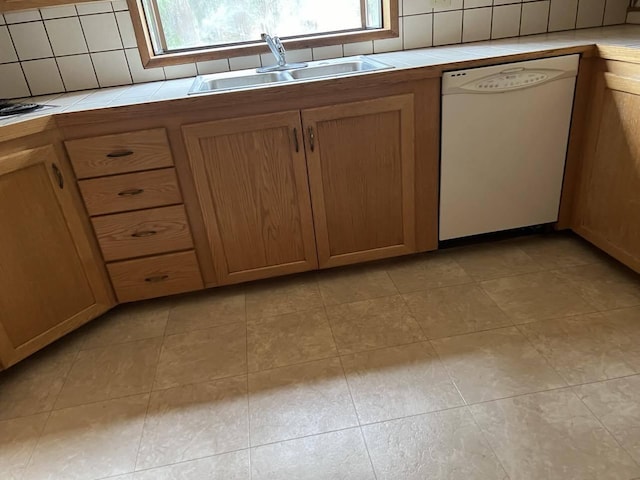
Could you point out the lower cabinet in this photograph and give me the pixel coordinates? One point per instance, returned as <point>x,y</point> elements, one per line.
<point>608,207</point>
<point>259,178</point>
<point>361,173</point>
<point>250,176</point>
<point>51,281</point>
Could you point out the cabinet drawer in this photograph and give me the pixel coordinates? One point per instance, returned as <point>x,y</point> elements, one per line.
<point>147,232</point>
<point>155,276</point>
<point>120,153</point>
<point>133,191</point>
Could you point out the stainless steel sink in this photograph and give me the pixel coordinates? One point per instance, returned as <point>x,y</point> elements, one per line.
<point>337,68</point>
<point>212,83</point>
<point>320,69</point>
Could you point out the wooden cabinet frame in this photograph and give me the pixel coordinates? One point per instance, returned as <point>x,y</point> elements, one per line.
<point>402,106</point>
<point>68,208</point>
<point>610,227</point>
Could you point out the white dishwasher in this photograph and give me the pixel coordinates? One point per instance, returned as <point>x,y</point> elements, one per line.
<point>505,131</point>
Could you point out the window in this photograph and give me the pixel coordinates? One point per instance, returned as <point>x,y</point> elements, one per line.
<point>193,30</point>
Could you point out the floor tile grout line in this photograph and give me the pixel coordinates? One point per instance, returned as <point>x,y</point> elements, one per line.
<point>451,379</point>
<point>246,338</point>
<point>150,394</point>
<point>195,459</point>
<point>355,410</point>
<point>366,447</point>
<point>486,439</point>
<point>606,429</point>
<point>72,362</point>
<point>310,435</point>
<point>547,361</point>
<point>413,316</point>
<point>35,447</point>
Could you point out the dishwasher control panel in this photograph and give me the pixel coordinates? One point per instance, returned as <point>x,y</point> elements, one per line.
<point>510,80</point>
<point>508,77</point>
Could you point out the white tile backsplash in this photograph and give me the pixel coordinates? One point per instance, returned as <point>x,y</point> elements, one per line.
<point>447,27</point>
<point>562,15</point>
<point>476,24</point>
<point>66,37</point>
<point>590,13</point>
<point>535,18</point>
<point>615,12</point>
<point>30,40</point>
<point>7,52</point>
<point>506,20</point>
<point>22,16</point>
<point>418,31</point>
<point>43,76</point>
<point>77,72</point>
<point>323,53</point>
<point>101,32</point>
<point>13,84</point>
<point>92,45</point>
<point>59,12</point>
<point>358,48</point>
<point>111,68</point>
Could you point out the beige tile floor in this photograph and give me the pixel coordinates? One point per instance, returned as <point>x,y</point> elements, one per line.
<point>513,360</point>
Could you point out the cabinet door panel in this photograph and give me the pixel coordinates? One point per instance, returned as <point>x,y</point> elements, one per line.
<point>49,282</point>
<point>361,164</point>
<point>252,187</point>
<point>609,208</point>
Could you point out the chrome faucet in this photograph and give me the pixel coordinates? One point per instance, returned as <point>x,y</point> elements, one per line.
<point>276,47</point>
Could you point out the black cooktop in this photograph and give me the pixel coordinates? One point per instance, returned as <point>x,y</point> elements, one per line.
<point>10,108</point>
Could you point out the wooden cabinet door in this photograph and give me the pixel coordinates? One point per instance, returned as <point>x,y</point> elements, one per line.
<point>361,172</point>
<point>250,176</point>
<point>608,210</point>
<point>50,278</point>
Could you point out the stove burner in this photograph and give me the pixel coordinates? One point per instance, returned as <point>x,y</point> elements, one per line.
<point>7,108</point>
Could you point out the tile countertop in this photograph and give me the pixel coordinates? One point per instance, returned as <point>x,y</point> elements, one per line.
<point>622,36</point>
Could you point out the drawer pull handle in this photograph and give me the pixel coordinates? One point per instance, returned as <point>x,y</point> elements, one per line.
<point>312,139</point>
<point>295,139</point>
<point>58,175</point>
<point>156,279</point>
<point>123,153</point>
<point>131,192</point>
<point>144,233</point>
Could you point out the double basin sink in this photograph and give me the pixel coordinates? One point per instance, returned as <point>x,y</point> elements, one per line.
<point>320,69</point>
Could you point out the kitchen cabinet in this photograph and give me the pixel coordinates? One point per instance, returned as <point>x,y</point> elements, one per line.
<point>250,177</point>
<point>51,279</point>
<point>257,196</point>
<point>608,206</point>
<point>130,188</point>
<point>361,173</point>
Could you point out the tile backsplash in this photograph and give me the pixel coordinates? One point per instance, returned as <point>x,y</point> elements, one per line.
<point>92,45</point>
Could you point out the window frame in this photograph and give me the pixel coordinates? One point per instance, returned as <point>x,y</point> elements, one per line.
<point>390,29</point>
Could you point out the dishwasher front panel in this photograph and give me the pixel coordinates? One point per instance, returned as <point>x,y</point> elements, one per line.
<point>503,157</point>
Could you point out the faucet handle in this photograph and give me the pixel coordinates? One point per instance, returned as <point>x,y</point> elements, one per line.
<point>279,45</point>
<point>264,36</point>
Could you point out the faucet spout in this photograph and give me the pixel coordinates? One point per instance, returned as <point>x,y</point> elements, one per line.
<point>276,47</point>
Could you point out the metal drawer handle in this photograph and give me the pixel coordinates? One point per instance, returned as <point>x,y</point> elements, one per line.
<point>144,233</point>
<point>131,192</point>
<point>295,139</point>
<point>156,279</point>
<point>123,153</point>
<point>312,139</point>
<point>58,175</point>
